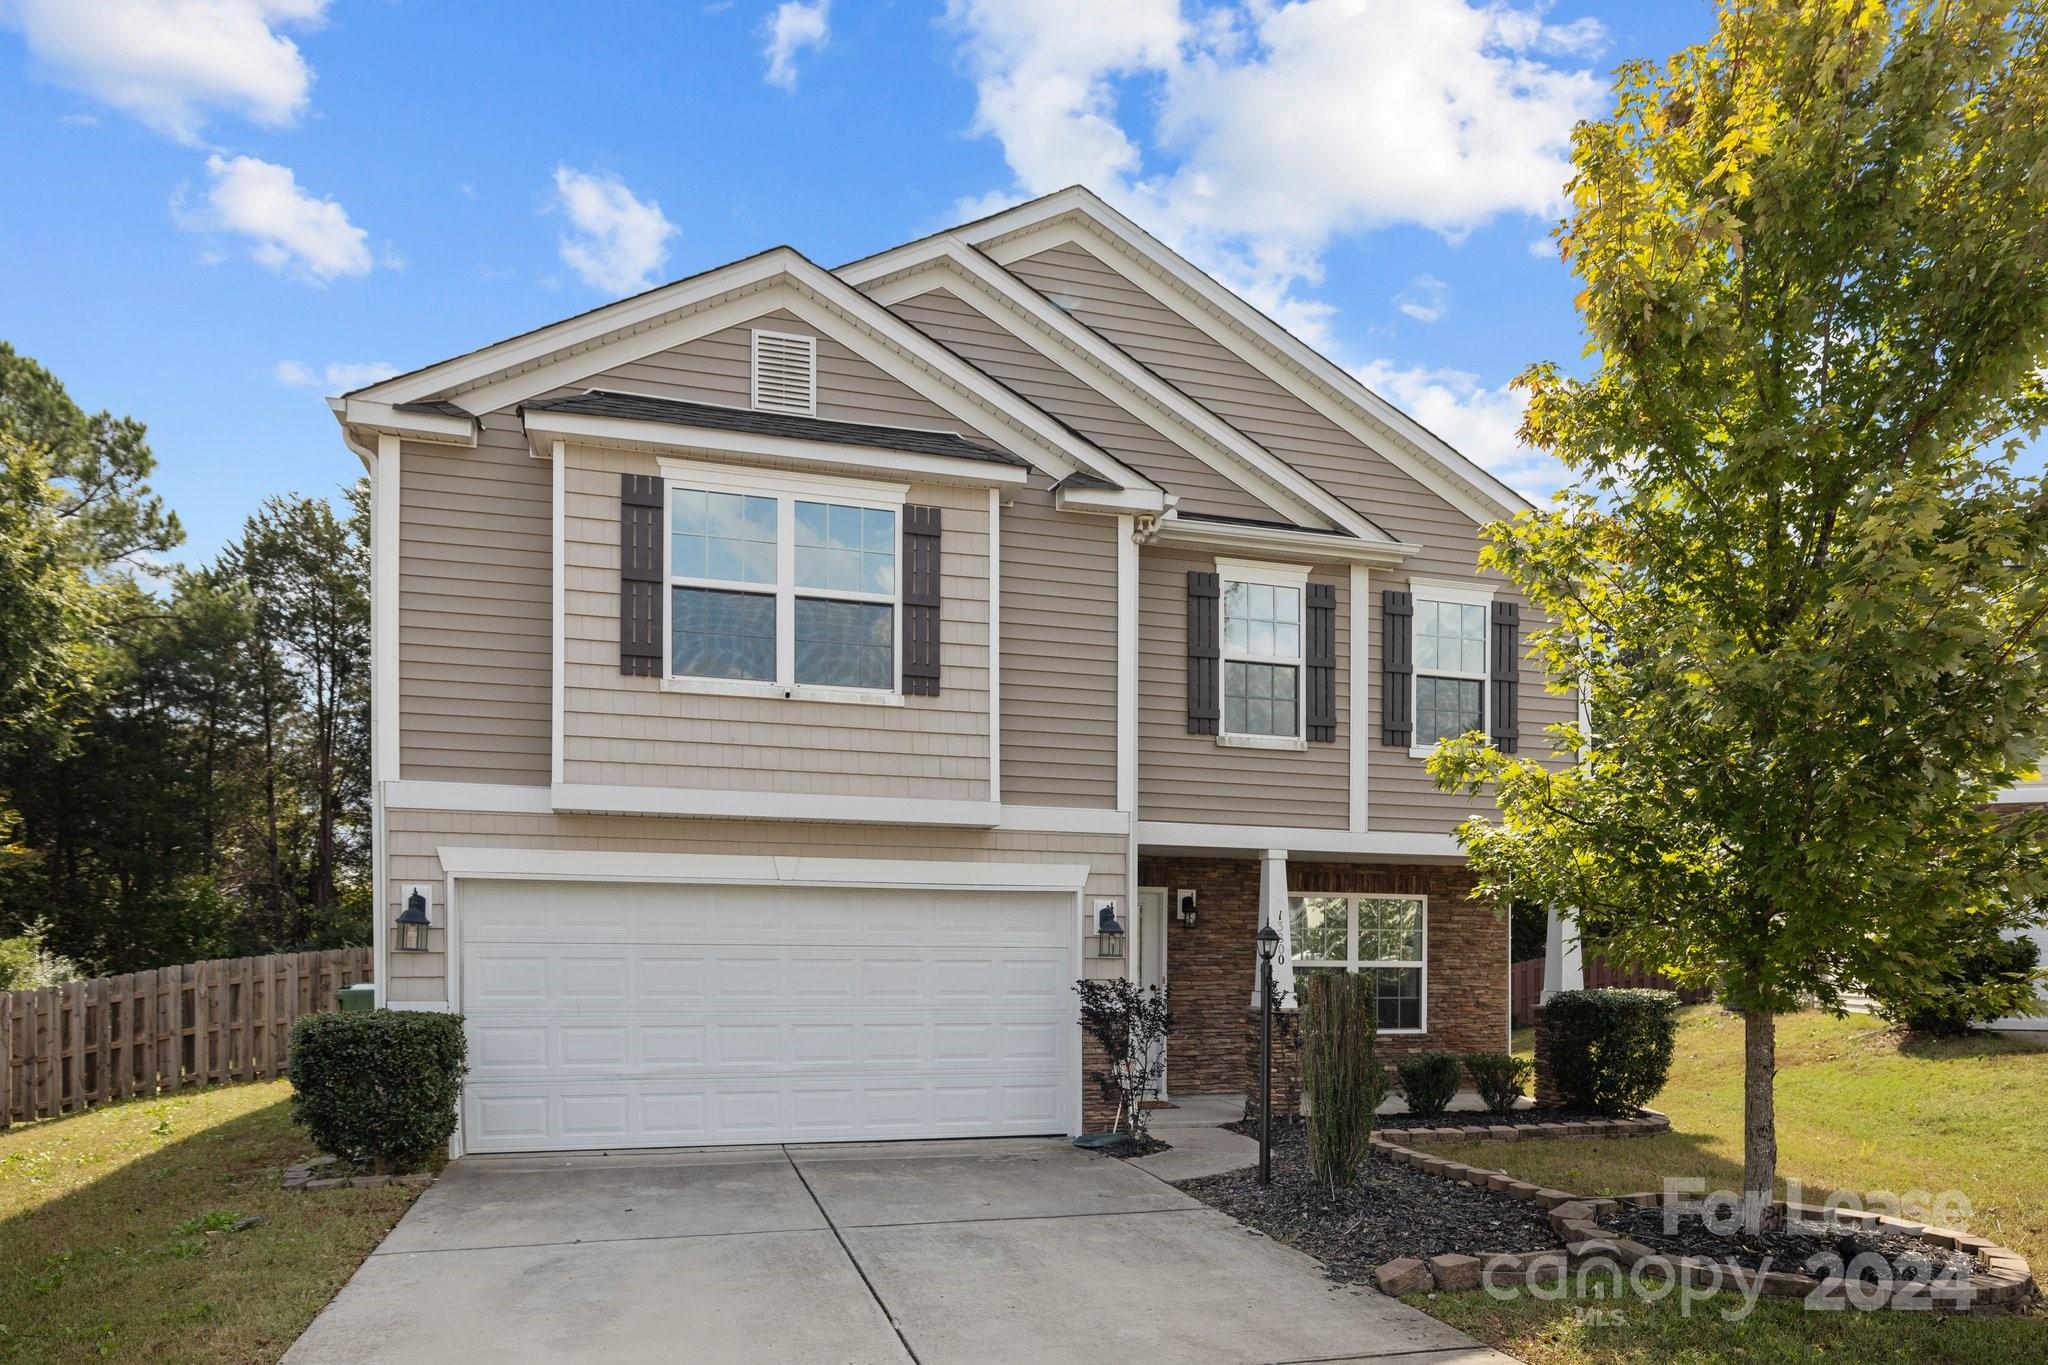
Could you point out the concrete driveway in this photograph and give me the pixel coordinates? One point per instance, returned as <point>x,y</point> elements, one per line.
<point>936,1253</point>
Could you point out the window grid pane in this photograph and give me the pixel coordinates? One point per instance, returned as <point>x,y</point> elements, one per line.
<point>1445,708</point>
<point>1319,929</point>
<point>845,644</point>
<point>1397,997</point>
<point>1260,699</point>
<point>845,549</point>
<point>1389,930</point>
<point>717,634</point>
<point>1262,620</point>
<point>726,536</point>
<point>1450,636</point>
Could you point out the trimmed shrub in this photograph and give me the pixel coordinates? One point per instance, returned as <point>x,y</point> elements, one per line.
<point>1608,1051</point>
<point>1989,979</point>
<point>378,1087</point>
<point>1429,1081</point>
<point>1340,1074</point>
<point>1499,1078</point>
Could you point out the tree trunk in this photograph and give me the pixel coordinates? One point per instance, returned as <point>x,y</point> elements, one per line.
<point>1759,1108</point>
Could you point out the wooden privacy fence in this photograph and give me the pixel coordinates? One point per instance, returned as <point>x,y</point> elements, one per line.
<point>1525,986</point>
<point>64,1048</point>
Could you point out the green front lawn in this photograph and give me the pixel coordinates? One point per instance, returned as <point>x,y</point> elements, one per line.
<point>1856,1111</point>
<point>117,1240</point>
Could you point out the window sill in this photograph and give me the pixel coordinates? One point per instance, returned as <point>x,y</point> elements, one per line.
<point>719,687</point>
<point>1422,751</point>
<point>1284,742</point>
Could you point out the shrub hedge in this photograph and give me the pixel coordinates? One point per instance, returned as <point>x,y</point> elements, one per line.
<point>378,1087</point>
<point>1429,1081</point>
<point>1608,1051</point>
<point>1989,979</point>
<point>1341,1077</point>
<point>1498,1077</point>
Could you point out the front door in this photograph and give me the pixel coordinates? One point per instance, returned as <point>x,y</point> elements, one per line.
<point>1152,917</point>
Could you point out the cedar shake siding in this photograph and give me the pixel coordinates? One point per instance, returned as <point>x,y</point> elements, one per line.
<point>630,731</point>
<point>1059,654</point>
<point>965,330</point>
<point>1194,778</point>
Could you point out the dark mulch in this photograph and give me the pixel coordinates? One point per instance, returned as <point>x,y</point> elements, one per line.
<point>1129,1148</point>
<point>1793,1246</point>
<point>1393,1211</point>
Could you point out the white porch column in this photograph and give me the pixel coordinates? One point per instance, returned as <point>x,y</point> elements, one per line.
<point>1273,911</point>
<point>1562,968</point>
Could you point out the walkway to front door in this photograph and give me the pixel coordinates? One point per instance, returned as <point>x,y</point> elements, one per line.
<point>943,1253</point>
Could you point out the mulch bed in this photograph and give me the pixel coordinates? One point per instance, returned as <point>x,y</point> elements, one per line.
<point>1791,1245</point>
<point>1127,1149</point>
<point>1392,1211</point>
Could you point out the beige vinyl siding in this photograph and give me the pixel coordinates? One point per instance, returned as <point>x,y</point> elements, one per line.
<point>718,369</point>
<point>994,349</point>
<point>413,836</point>
<point>1401,796</point>
<point>474,598</point>
<point>630,731</point>
<point>1059,654</point>
<point>1192,777</point>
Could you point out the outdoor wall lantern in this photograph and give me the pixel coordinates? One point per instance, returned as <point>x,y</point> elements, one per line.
<point>1187,908</point>
<point>413,924</point>
<point>1109,934</point>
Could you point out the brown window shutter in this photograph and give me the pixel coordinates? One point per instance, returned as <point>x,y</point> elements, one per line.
<point>1205,652</point>
<point>640,565</point>
<point>1321,659</point>
<point>1507,676</point>
<point>1397,668</point>
<point>921,602</point>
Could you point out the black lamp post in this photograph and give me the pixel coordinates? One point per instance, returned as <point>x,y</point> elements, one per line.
<point>1269,944</point>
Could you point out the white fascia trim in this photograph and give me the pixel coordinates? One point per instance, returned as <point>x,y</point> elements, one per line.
<point>1077,215</point>
<point>799,483</point>
<point>1027,315</point>
<point>1309,545</point>
<point>995,645</point>
<point>544,430</point>
<point>480,798</point>
<point>1263,571</point>
<point>385,537</point>
<point>2023,793</point>
<point>558,608</point>
<point>1113,501</point>
<point>525,864</point>
<point>1174,834</point>
<point>1064,820</point>
<point>511,371</point>
<point>584,798</point>
<point>384,420</point>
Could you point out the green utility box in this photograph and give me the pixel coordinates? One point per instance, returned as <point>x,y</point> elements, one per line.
<point>363,997</point>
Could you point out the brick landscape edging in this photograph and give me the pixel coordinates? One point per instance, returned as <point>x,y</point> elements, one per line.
<point>2002,1280</point>
<point>306,1176</point>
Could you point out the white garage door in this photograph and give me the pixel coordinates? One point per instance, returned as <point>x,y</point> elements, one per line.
<point>604,1015</point>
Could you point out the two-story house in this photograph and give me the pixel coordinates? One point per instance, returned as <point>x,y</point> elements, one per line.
<point>788,681</point>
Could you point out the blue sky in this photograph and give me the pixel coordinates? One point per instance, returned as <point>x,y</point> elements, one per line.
<point>221,210</point>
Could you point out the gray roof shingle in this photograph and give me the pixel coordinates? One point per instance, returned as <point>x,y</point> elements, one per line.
<point>635,407</point>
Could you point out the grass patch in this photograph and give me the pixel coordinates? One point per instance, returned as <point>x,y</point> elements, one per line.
<point>1858,1110</point>
<point>155,1229</point>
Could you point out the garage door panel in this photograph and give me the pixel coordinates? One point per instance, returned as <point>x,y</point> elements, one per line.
<point>616,1016</point>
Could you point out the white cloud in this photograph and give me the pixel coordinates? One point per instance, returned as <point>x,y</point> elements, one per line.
<point>1480,422</point>
<point>1426,299</point>
<point>340,376</point>
<point>617,240</point>
<point>1279,127</point>
<point>793,27</point>
<point>173,63</point>
<point>288,230</point>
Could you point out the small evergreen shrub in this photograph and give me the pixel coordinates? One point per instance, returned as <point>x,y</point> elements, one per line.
<point>378,1087</point>
<point>1989,979</point>
<point>1429,1081</point>
<point>1608,1051</point>
<point>1340,1073</point>
<point>1499,1077</point>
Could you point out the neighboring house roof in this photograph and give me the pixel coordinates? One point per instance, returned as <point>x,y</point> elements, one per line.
<point>637,407</point>
<point>1078,215</point>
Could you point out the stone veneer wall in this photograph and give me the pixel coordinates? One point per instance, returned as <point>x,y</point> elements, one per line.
<point>1214,1049</point>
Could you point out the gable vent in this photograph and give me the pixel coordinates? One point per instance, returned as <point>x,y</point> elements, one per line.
<point>785,373</point>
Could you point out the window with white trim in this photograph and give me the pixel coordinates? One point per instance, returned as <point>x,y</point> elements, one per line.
<point>1450,668</point>
<point>1262,630</point>
<point>1385,936</point>
<point>781,586</point>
